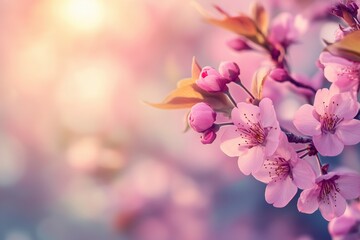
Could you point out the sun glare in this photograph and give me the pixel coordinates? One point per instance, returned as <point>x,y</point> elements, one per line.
<point>84,14</point>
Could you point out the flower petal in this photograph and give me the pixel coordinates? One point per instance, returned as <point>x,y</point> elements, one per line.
<point>305,121</point>
<point>343,105</point>
<point>349,185</point>
<point>308,200</point>
<point>280,193</point>
<point>245,113</point>
<point>304,176</point>
<point>272,141</point>
<point>341,225</point>
<point>251,160</point>
<point>327,58</point>
<point>230,142</point>
<point>349,132</point>
<point>285,150</point>
<point>262,174</point>
<point>332,207</point>
<point>321,101</point>
<point>267,113</point>
<point>328,144</point>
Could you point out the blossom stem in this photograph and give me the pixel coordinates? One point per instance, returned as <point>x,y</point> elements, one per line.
<point>245,89</point>
<point>230,97</point>
<point>300,85</point>
<point>297,139</point>
<point>319,162</point>
<point>224,124</point>
<point>302,150</point>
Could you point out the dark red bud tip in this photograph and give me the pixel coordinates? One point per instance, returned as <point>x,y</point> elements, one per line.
<point>325,168</point>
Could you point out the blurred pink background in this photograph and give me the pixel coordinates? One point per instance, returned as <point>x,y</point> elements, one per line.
<point>83,157</point>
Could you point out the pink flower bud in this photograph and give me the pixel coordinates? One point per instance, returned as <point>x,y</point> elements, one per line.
<point>211,81</point>
<point>229,70</point>
<point>201,117</point>
<point>238,44</point>
<point>208,136</point>
<point>279,74</point>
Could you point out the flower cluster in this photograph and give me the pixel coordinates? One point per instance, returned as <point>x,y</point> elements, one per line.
<point>280,156</point>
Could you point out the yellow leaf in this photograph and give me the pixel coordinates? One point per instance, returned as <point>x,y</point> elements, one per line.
<point>188,93</point>
<point>348,47</point>
<point>258,81</point>
<point>241,24</point>
<point>195,73</point>
<point>260,16</point>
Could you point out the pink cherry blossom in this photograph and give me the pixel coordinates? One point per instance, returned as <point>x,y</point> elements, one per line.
<point>211,81</point>
<point>329,194</point>
<point>347,226</point>
<point>254,136</point>
<point>201,117</point>
<point>343,73</point>
<point>330,121</point>
<point>284,172</point>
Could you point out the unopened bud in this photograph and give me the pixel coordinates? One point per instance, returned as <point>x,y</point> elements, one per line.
<point>279,74</point>
<point>211,81</point>
<point>201,117</point>
<point>208,136</point>
<point>238,44</point>
<point>229,70</point>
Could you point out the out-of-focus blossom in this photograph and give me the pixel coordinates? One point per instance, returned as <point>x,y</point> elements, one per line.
<point>343,73</point>
<point>254,136</point>
<point>286,29</point>
<point>201,117</point>
<point>330,121</point>
<point>348,11</point>
<point>347,226</point>
<point>279,74</point>
<point>238,44</point>
<point>329,194</point>
<point>284,172</point>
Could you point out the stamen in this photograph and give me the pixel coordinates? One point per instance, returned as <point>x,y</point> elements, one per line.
<point>328,188</point>
<point>253,133</point>
<point>278,169</point>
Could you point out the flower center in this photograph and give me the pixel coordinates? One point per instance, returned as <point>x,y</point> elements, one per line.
<point>328,188</point>
<point>278,168</point>
<point>253,134</point>
<point>329,123</point>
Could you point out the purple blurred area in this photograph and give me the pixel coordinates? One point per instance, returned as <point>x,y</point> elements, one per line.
<point>81,154</point>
